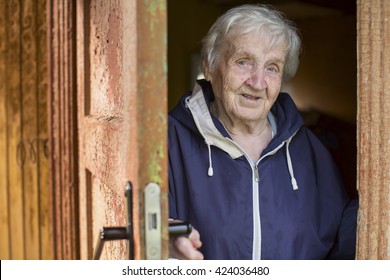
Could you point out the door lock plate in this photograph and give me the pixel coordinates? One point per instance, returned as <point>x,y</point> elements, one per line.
<point>152,204</point>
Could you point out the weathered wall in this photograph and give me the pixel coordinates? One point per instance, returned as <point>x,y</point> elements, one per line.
<point>25,228</point>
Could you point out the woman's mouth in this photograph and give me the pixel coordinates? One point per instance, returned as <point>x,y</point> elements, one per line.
<point>250,97</point>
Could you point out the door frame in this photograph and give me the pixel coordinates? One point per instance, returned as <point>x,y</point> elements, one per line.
<point>373,130</point>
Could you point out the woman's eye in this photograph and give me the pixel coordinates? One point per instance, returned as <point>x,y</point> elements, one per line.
<point>241,62</point>
<point>244,64</point>
<point>272,69</point>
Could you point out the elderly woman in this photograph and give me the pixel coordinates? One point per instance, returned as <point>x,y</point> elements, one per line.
<point>244,171</point>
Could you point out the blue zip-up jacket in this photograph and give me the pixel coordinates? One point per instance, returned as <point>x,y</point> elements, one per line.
<point>290,204</point>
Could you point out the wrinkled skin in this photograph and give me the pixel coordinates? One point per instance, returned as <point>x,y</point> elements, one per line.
<point>246,81</point>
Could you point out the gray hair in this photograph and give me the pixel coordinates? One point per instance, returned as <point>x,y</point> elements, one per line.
<point>251,18</point>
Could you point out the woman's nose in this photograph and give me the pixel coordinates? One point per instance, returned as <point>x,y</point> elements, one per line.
<point>256,80</point>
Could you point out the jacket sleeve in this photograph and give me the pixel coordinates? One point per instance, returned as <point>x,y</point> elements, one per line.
<point>345,245</point>
<point>171,195</point>
<point>172,154</point>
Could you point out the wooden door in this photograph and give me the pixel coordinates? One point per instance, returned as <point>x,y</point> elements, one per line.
<point>121,85</point>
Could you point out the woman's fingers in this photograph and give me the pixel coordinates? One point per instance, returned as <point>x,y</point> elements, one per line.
<point>186,247</point>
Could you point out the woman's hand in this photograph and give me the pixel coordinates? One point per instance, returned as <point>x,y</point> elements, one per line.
<point>186,248</point>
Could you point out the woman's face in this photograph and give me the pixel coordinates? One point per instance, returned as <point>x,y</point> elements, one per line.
<point>247,77</point>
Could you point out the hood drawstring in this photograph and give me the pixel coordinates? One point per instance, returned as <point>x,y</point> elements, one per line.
<point>210,171</point>
<point>290,167</point>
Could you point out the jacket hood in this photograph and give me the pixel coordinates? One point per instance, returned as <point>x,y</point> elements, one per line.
<point>182,113</point>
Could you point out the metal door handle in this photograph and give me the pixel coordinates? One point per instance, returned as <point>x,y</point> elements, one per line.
<point>152,225</point>
<point>119,233</point>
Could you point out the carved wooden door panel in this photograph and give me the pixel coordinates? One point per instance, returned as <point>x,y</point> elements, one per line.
<point>121,85</point>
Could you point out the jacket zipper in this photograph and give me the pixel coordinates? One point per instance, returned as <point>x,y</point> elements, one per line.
<point>256,254</point>
<point>256,170</point>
